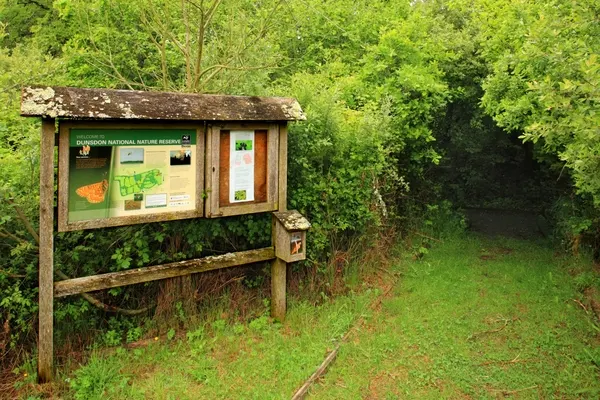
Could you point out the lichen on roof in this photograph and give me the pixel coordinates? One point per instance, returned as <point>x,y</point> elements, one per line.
<point>292,220</point>
<point>98,104</point>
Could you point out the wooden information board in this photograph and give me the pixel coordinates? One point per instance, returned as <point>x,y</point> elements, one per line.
<point>128,157</point>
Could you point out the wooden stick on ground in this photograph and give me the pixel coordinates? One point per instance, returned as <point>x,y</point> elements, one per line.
<point>477,334</point>
<point>322,369</point>
<point>303,391</point>
<point>427,237</point>
<point>509,392</point>
<point>581,305</point>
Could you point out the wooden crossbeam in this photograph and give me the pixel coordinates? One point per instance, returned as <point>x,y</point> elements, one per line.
<point>157,272</point>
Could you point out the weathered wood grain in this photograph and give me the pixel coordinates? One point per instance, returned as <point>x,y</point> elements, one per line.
<point>246,208</point>
<point>278,289</point>
<point>46,256</point>
<point>273,166</point>
<point>157,272</point>
<point>216,173</point>
<point>292,220</point>
<point>80,103</point>
<point>283,167</point>
<point>63,173</point>
<point>278,266</point>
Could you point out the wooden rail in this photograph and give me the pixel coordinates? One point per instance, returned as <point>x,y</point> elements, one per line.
<point>171,270</point>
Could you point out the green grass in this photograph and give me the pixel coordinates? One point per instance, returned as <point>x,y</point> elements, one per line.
<point>254,361</point>
<point>473,318</point>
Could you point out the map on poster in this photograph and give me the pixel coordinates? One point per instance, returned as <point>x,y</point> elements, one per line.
<point>127,172</point>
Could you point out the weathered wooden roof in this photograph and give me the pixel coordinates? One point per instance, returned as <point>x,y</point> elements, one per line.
<point>292,220</point>
<point>79,103</point>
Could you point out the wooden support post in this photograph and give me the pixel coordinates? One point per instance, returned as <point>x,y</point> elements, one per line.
<point>278,289</point>
<point>278,266</point>
<point>46,253</point>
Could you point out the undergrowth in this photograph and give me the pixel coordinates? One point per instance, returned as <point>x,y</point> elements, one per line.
<point>471,317</point>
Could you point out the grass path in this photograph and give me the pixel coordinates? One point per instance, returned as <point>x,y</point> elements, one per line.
<point>474,318</point>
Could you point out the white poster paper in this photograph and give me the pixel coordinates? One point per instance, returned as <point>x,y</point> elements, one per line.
<point>241,168</point>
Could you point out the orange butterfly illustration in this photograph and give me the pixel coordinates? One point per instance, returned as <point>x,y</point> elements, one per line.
<point>296,246</point>
<point>85,151</point>
<point>95,192</point>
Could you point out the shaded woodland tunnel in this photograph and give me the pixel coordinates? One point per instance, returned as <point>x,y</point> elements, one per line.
<point>503,185</point>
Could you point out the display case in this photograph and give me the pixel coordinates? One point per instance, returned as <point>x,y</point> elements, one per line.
<point>242,168</point>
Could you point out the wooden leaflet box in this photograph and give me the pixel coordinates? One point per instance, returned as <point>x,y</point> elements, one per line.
<point>290,235</point>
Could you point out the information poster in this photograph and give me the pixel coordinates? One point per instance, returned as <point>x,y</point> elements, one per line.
<point>128,172</point>
<point>241,172</point>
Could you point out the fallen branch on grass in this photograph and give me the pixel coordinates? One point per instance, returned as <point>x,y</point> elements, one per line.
<point>509,392</point>
<point>427,237</point>
<point>303,391</point>
<point>581,305</point>
<point>320,371</point>
<point>506,322</point>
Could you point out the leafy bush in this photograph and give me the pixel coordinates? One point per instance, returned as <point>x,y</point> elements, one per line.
<point>19,190</point>
<point>335,159</point>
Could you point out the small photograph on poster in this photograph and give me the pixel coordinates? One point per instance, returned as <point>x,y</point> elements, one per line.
<point>138,197</point>
<point>131,205</point>
<point>240,195</point>
<point>243,145</point>
<point>296,243</point>
<point>131,156</point>
<point>248,159</point>
<point>181,157</point>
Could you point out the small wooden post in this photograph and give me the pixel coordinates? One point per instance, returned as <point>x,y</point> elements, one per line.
<point>278,266</point>
<point>46,253</point>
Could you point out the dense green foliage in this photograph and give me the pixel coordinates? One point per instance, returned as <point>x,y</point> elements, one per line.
<point>407,103</point>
